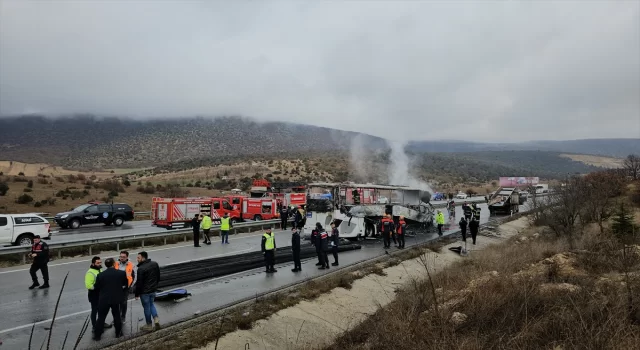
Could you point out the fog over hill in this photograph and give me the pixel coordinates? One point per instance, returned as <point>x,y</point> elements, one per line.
<point>95,142</point>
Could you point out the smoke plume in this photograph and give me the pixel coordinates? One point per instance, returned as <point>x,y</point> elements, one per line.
<point>357,157</point>
<point>398,170</point>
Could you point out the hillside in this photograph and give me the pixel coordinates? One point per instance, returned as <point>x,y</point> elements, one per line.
<point>86,142</point>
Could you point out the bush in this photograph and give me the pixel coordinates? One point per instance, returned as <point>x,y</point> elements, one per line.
<point>43,181</point>
<point>113,194</point>
<point>4,188</point>
<point>30,184</point>
<point>27,190</point>
<point>148,189</point>
<point>24,199</point>
<point>37,204</point>
<point>21,174</point>
<point>19,179</point>
<point>126,182</point>
<point>111,185</point>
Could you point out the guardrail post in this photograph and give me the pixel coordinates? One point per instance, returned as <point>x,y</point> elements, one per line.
<point>90,250</point>
<point>24,258</point>
<point>165,241</point>
<point>185,237</point>
<point>118,247</point>
<point>142,244</point>
<point>59,253</point>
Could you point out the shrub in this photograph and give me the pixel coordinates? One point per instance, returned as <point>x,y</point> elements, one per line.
<point>43,181</point>
<point>30,184</point>
<point>113,193</point>
<point>126,182</point>
<point>37,204</point>
<point>27,190</point>
<point>149,189</point>
<point>24,199</point>
<point>21,174</point>
<point>4,188</point>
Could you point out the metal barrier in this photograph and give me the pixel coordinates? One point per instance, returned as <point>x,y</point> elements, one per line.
<point>134,237</point>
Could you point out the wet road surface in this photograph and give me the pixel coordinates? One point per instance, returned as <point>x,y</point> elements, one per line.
<point>21,307</point>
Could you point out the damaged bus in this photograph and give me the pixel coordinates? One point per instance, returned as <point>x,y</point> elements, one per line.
<point>357,209</point>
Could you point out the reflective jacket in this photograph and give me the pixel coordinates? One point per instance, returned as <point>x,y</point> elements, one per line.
<point>225,223</point>
<point>128,269</point>
<point>440,219</point>
<point>268,242</point>
<point>323,239</point>
<point>206,222</point>
<point>90,281</point>
<point>387,225</point>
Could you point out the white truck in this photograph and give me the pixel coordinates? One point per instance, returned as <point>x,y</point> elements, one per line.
<point>19,229</point>
<point>542,188</point>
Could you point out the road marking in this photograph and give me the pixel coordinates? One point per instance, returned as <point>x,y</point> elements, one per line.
<point>130,300</point>
<point>151,250</point>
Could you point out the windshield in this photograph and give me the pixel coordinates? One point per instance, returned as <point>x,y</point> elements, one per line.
<point>82,207</point>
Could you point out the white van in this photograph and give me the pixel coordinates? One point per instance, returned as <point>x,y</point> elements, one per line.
<point>19,229</point>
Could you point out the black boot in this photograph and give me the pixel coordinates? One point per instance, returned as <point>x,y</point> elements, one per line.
<point>45,285</point>
<point>35,284</point>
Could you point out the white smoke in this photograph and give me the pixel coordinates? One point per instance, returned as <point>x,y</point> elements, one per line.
<point>358,157</point>
<point>398,170</point>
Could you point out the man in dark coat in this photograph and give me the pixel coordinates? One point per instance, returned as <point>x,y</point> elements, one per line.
<point>315,240</point>
<point>463,228</point>
<point>110,285</point>
<point>334,240</point>
<point>195,225</point>
<point>146,286</point>
<point>295,249</point>
<point>474,225</point>
<point>322,245</point>
<point>284,216</point>
<point>40,255</point>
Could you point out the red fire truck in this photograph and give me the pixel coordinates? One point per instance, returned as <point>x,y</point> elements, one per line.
<point>255,208</point>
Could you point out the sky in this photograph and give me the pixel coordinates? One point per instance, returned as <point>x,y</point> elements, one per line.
<point>472,70</point>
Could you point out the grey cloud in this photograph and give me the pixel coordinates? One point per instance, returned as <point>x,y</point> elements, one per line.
<point>485,71</point>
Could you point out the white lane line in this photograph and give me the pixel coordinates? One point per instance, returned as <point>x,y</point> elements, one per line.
<point>150,250</point>
<point>130,300</point>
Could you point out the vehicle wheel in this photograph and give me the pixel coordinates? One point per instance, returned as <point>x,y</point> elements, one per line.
<point>25,239</point>
<point>74,224</point>
<point>257,218</point>
<point>233,221</point>
<point>118,221</point>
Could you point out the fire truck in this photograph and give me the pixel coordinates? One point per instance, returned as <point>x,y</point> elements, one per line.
<point>287,193</point>
<point>173,213</point>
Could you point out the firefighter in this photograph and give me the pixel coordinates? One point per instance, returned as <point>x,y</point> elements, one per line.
<point>205,224</point>
<point>195,225</point>
<point>386,230</point>
<point>440,222</point>
<point>474,225</point>
<point>401,230</point>
<point>268,246</point>
<point>322,240</point>
<point>123,264</point>
<point>463,228</point>
<point>295,249</point>
<point>284,216</point>
<point>40,255</point>
<point>335,239</point>
<point>225,225</point>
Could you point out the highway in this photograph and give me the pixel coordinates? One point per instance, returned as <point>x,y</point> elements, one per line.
<point>21,307</point>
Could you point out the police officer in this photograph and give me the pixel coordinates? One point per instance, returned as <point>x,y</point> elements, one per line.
<point>284,216</point>
<point>386,229</point>
<point>268,249</point>
<point>195,225</point>
<point>440,222</point>
<point>401,230</point>
<point>468,213</point>
<point>474,225</point>
<point>315,240</point>
<point>295,249</point>
<point>323,246</point>
<point>40,255</point>
<point>335,239</point>
<point>463,228</point>
<point>297,219</point>
<point>89,283</point>
<point>205,224</point>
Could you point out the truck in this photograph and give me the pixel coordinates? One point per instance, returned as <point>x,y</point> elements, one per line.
<point>506,200</point>
<point>287,193</point>
<point>171,213</point>
<point>19,229</point>
<point>542,188</point>
<point>356,209</point>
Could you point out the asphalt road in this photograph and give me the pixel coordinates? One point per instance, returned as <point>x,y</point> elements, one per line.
<point>21,307</point>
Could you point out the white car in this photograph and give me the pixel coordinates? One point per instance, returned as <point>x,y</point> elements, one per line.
<point>461,195</point>
<point>19,229</point>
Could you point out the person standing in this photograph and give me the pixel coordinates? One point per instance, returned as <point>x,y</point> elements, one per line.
<point>386,230</point>
<point>40,256</point>
<point>297,219</point>
<point>146,286</point>
<point>463,228</point>
<point>225,225</point>
<point>315,240</point>
<point>89,283</point>
<point>127,266</point>
<point>322,240</point>
<point>195,225</point>
<point>110,285</point>
<point>401,231</point>
<point>468,213</point>
<point>335,239</point>
<point>205,224</point>
<point>474,225</point>
<point>440,222</point>
<point>284,216</point>
<point>268,246</point>
<point>295,249</point>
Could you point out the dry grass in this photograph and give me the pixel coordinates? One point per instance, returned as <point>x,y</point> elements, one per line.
<point>14,168</point>
<point>599,161</point>
<point>528,293</point>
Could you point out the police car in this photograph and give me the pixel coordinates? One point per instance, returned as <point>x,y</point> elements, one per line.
<point>19,229</point>
<point>95,213</point>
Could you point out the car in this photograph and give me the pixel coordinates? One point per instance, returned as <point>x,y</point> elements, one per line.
<point>19,229</point>
<point>383,200</point>
<point>461,195</point>
<point>95,213</point>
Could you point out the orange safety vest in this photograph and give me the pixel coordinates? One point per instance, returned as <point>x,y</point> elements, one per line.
<point>128,270</point>
<point>401,226</point>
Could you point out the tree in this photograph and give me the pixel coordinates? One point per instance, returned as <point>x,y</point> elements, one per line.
<point>632,165</point>
<point>599,190</point>
<point>4,188</point>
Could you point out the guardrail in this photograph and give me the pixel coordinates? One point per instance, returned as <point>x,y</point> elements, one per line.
<point>135,213</point>
<point>133,237</point>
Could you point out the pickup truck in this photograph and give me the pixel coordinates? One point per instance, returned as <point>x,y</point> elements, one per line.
<point>19,229</point>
